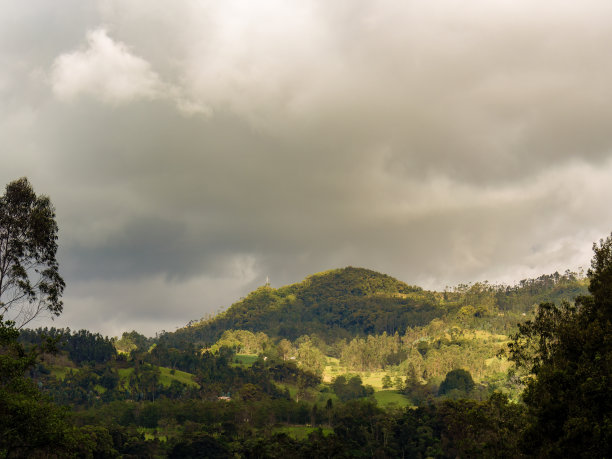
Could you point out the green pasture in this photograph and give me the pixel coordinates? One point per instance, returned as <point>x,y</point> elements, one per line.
<point>166,377</point>
<point>60,372</point>
<point>246,359</point>
<point>391,398</point>
<point>301,432</point>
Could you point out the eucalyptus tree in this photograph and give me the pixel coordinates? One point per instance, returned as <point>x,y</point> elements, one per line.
<point>30,283</point>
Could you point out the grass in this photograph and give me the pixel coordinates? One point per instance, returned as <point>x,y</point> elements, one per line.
<point>166,377</point>
<point>391,398</point>
<point>246,359</point>
<point>333,369</point>
<point>374,378</point>
<point>125,373</point>
<point>99,389</point>
<point>60,372</point>
<point>301,432</point>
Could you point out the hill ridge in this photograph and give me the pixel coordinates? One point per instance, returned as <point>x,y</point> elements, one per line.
<point>353,301</point>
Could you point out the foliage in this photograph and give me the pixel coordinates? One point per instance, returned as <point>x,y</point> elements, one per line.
<point>205,402</point>
<point>459,379</point>
<point>568,349</point>
<point>29,422</point>
<point>132,341</point>
<point>82,346</point>
<point>351,388</point>
<point>242,342</point>
<point>334,304</point>
<point>30,283</point>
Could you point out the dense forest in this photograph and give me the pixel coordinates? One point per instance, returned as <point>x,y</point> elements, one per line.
<point>349,302</point>
<point>319,368</point>
<point>347,363</point>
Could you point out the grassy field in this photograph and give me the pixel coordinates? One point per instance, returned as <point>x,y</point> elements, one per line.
<point>125,373</point>
<point>60,372</point>
<point>333,369</point>
<point>246,359</point>
<point>301,432</point>
<point>391,398</point>
<point>374,378</point>
<point>166,377</point>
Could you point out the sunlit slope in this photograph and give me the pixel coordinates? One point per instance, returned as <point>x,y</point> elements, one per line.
<point>349,302</point>
<point>334,304</point>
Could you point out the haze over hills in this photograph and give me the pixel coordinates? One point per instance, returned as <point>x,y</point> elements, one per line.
<point>349,302</point>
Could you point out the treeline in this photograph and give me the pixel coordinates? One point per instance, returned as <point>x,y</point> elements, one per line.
<point>253,428</point>
<point>81,346</point>
<point>482,298</point>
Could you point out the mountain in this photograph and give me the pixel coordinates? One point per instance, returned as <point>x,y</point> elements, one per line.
<point>349,302</point>
<point>334,304</point>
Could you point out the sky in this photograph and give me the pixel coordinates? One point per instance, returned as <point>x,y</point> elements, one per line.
<point>192,149</point>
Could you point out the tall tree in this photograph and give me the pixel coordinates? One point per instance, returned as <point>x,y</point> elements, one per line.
<point>568,350</point>
<point>30,283</point>
<point>30,425</point>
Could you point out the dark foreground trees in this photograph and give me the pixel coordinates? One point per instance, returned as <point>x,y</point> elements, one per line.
<point>568,350</point>
<point>29,284</point>
<point>29,422</point>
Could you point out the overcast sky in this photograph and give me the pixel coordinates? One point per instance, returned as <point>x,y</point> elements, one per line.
<point>193,148</point>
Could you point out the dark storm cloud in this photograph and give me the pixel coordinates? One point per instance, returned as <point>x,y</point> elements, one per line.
<point>193,151</point>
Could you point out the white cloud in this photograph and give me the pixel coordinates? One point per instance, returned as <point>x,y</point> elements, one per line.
<point>439,142</point>
<point>105,70</point>
<point>108,71</point>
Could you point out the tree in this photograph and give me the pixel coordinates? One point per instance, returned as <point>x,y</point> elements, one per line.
<point>285,349</point>
<point>457,379</point>
<point>29,422</point>
<point>310,357</point>
<point>29,276</point>
<point>568,350</point>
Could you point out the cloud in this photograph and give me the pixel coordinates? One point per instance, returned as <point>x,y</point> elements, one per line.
<point>439,142</point>
<point>105,70</point>
<point>151,304</point>
<point>108,71</point>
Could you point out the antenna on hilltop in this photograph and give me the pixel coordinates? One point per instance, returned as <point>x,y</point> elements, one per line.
<point>267,281</point>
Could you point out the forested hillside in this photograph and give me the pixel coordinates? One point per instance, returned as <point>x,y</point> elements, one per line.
<point>324,367</point>
<point>333,304</point>
<point>344,303</point>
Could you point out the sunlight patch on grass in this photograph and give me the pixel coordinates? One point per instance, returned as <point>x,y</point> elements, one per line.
<point>389,398</point>
<point>125,373</point>
<point>166,377</point>
<point>246,359</point>
<point>301,432</point>
<point>60,372</point>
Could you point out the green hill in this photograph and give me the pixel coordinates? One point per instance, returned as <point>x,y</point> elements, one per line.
<point>349,302</point>
<point>339,303</point>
